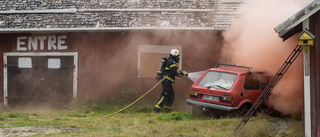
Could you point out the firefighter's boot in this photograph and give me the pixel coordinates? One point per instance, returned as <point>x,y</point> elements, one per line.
<point>156,110</point>
<point>166,109</point>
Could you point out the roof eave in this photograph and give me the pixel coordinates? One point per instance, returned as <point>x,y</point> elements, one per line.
<point>110,29</point>
<point>297,19</point>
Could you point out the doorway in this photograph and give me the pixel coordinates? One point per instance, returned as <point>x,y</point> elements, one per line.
<point>40,78</point>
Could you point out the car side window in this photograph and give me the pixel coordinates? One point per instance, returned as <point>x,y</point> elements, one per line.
<point>263,80</point>
<point>251,82</point>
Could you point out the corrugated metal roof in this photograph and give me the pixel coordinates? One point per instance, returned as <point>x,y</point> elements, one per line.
<point>289,27</point>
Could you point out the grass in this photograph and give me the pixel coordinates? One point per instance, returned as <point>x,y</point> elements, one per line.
<point>88,118</point>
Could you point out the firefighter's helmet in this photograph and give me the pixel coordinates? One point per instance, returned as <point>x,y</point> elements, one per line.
<point>175,52</point>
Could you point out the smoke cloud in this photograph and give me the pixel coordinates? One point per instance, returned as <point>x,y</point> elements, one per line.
<point>252,41</point>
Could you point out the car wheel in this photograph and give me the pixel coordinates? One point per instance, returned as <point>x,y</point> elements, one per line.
<point>244,109</point>
<point>198,111</point>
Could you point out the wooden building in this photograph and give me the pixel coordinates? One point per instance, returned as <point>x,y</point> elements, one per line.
<point>59,50</point>
<point>307,20</point>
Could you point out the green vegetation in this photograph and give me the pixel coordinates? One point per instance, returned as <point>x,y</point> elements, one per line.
<point>88,118</point>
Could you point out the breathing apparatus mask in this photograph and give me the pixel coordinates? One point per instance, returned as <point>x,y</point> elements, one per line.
<point>175,53</point>
<point>177,59</point>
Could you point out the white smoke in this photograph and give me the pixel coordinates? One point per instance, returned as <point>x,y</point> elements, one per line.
<point>252,41</point>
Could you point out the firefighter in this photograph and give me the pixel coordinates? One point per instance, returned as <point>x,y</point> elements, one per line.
<point>171,70</point>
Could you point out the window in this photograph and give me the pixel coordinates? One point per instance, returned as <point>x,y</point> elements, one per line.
<point>220,80</point>
<point>54,63</point>
<point>149,58</point>
<point>263,80</point>
<point>24,62</point>
<point>251,82</point>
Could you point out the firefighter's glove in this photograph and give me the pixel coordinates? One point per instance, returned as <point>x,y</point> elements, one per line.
<point>179,75</point>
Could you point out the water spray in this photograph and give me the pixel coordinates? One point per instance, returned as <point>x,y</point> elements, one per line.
<point>195,75</point>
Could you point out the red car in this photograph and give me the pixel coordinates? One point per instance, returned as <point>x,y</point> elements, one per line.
<point>228,88</point>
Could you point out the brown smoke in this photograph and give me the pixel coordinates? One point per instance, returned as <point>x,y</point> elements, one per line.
<point>112,66</point>
<point>252,41</point>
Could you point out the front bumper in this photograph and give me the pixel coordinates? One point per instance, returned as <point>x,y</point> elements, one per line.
<point>212,106</point>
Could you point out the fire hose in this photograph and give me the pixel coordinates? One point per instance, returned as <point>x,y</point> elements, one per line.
<point>136,100</point>
<point>108,114</point>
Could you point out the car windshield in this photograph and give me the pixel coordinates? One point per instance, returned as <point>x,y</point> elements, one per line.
<point>214,79</point>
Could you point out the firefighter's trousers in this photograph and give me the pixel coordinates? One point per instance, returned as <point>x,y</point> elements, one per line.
<point>167,96</point>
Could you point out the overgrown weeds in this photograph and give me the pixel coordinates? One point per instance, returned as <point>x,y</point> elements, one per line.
<point>176,116</point>
<point>89,118</point>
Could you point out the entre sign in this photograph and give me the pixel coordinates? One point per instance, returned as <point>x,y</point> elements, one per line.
<point>51,42</point>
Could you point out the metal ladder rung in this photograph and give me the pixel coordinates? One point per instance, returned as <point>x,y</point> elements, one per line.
<point>294,54</point>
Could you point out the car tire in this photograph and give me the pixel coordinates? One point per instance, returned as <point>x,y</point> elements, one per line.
<point>244,109</point>
<point>198,111</point>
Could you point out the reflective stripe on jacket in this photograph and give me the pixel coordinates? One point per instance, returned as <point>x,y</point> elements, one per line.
<point>171,69</point>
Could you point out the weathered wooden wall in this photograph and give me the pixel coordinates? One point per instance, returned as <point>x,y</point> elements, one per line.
<point>108,61</point>
<point>315,75</point>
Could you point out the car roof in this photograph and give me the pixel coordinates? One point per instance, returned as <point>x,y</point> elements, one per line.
<point>236,70</point>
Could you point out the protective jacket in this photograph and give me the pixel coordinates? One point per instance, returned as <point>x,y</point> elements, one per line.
<point>171,68</point>
<point>167,96</point>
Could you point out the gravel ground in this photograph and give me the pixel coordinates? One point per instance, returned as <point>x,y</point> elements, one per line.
<point>29,131</point>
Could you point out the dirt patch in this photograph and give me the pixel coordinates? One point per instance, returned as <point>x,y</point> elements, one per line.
<point>29,131</point>
<point>280,128</point>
